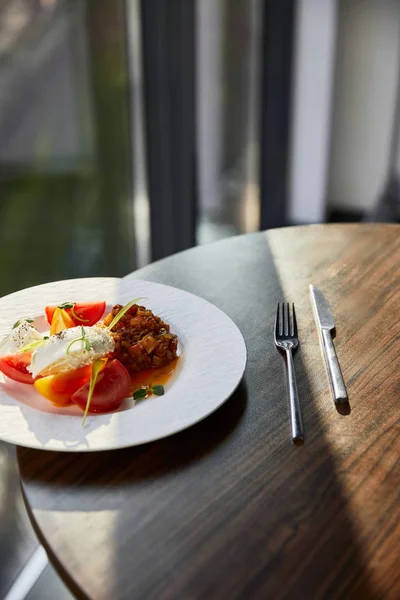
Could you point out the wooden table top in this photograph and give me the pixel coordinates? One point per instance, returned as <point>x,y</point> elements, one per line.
<point>230,508</point>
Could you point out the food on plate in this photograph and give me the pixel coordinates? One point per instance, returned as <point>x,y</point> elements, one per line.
<point>147,390</point>
<point>70,349</point>
<point>60,321</point>
<point>59,388</point>
<point>142,340</point>
<point>15,366</point>
<point>81,313</point>
<point>22,334</point>
<point>113,383</point>
<point>90,362</point>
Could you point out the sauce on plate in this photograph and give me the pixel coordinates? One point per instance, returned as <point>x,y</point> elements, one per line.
<point>150,377</point>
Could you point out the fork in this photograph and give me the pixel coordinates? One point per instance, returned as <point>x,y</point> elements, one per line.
<point>286,339</point>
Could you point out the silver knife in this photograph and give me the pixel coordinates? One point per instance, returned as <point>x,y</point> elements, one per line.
<point>326,324</point>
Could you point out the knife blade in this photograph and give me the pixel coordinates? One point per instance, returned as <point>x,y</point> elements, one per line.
<point>326,324</point>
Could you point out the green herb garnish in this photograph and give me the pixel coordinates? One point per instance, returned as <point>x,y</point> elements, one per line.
<point>71,305</point>
<point>140,394</point>
<point>93,378</point>
<point>83,338</point>
<point>121,313</point>
<point>31,346</point>
<point>157,390</point>
<point>65,305</point>
<point>20,321</point>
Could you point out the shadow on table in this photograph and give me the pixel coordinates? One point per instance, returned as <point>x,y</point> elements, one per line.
<point>155,459</point>
<point>230,506</point>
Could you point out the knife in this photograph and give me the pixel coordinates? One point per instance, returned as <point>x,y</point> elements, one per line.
<point>326,324</point>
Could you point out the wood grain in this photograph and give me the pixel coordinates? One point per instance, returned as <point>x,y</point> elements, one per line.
<point>230,508</point>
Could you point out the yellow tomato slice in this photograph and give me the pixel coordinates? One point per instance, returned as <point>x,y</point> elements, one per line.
<point>59,388</point>
<point>60,321</point>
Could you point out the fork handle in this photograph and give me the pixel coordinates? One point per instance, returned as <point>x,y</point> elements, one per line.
<point>295,414</point>
<point>338,388</point>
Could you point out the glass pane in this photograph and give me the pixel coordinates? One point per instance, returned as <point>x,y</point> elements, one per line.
<point>228,39</point>
<point>65,153</point>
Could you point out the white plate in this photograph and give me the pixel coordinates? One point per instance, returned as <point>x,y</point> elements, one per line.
<point>213,359</point>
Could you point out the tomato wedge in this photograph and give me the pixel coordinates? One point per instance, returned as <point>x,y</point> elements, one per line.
<point>112,387</point>
<point>59,388</point>
<point>60,321</point>
<point>87,313</point>
<point>49,312</point>
<point>15,366</point>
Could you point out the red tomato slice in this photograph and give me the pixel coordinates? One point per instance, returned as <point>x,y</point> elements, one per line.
<point>15,366</point>
<point>88,313</point>
<point>49,311</point>
<point>112,387</point>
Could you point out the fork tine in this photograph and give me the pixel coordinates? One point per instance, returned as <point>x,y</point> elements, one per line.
<point>277,323</point>
<point>286,318</point>
<point>294,322</point>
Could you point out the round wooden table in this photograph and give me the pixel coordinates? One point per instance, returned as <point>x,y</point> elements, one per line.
<point>230,508</point>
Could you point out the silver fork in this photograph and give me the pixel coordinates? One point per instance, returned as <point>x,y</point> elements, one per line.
<point>286,339</point>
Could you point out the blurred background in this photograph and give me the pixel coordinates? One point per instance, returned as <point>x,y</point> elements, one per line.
<point>130,130</point>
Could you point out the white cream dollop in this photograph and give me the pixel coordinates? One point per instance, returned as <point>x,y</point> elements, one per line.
<point>22,335</point>
<point>52,357</point>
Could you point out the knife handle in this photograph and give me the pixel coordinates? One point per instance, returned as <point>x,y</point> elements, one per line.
<point>335,375</point>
